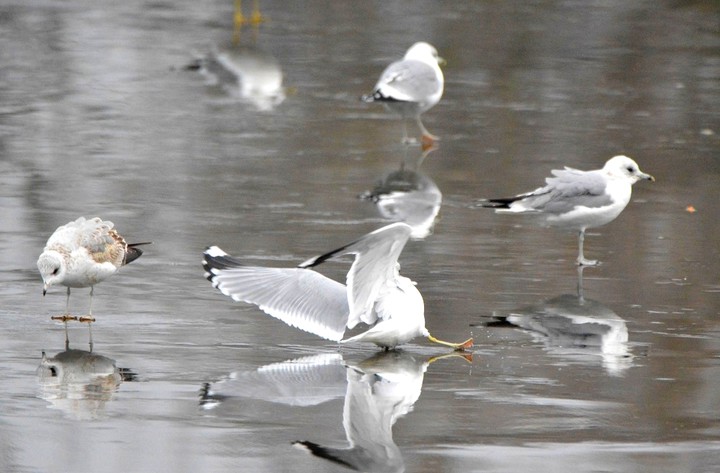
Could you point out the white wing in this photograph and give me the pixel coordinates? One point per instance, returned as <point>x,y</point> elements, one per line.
<point>299,297</point>
<point>374,268</point>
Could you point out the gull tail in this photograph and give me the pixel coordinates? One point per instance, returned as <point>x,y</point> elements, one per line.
<point>374,97</point>
<point>378,96</point>
<point>132,252</point>
<point>503,203</point>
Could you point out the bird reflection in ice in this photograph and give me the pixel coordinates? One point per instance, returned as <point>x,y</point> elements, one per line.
<point>408,196</point>
<point>573,326</point>
<point>378,391</point>
<point>80,382</point>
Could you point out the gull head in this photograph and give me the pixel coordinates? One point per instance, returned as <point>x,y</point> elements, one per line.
<point>424,52</point>
<point>626,168</point>
<point>52,269</point>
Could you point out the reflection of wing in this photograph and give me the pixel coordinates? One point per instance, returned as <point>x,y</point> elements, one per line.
<point>380,390</point>
<point>304,381</point>
<point>78,382</point>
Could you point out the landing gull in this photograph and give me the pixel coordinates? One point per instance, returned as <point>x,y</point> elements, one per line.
<point>375,294</point>
<point>578,200</point>
<point>411,86</point>
<point>82,253</point>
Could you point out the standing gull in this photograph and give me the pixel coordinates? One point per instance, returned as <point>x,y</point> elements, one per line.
<point>578,200</point>
<point>411,86</point>
<point>83,253</point>
<point>375,294</point>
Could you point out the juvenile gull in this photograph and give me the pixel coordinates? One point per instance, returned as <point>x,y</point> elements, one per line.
<point>578,200</point>
<point>375,294</point>
<point>411,86</point>
<point>83,253</point>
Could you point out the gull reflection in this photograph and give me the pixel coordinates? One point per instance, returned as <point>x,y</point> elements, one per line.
<point>245,72</point>
<point>80,382</point>
<point>406,195</point>
<point>572,325</point>
<point>378,391</point>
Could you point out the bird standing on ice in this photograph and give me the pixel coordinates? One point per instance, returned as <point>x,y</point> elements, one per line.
<point>411,86</point>
<point>375,294</point>
<point>578,200</point>
<point>83,253</point>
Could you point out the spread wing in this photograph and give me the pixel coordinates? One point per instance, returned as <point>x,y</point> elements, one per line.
<point>299,297</point>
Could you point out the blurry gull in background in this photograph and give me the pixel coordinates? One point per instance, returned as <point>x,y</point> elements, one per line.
<point>245,72</point>
<point>578,200</point>
<point>411,86</point>
<point>376,294</point>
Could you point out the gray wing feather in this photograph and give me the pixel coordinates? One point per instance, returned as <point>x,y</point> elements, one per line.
<point>299,297</point>
<point>408,80</point>
<point>568,189</point>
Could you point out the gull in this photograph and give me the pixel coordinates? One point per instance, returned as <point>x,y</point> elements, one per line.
<point>411,86</point>
<point>82,253</point>
<point>578,200</point>
<point>376,293</point>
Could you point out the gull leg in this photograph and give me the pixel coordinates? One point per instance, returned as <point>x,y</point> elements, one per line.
<point>66,316</point>
<point>427,138</point>
<point>67,302</point>
<point>580,289</point>
<point>90,339</point>
<point>67,338</point>
<point>89,317</point>
<point>457,346</point>
<point>256,17</point>
<point>581,261</point>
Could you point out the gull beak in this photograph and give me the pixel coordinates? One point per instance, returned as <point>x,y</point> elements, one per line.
<point>647,177</point>
<point>441,61</point>
<point>45,287</point>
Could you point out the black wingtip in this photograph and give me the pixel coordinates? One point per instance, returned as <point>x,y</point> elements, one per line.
<point>312,262</point>
<point>217,259</point>
<point>496,203</point>
<point>322,452</point>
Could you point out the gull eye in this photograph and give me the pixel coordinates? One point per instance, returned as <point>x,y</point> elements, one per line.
<point>55,271</point>
<point>630,169</point>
